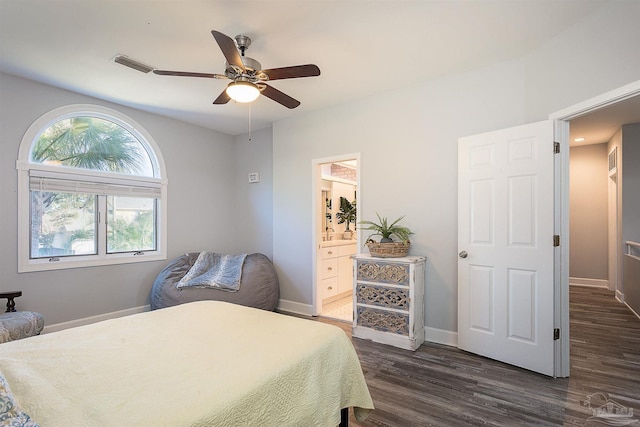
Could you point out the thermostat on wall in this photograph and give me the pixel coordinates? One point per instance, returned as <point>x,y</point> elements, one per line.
<point>254,177</point>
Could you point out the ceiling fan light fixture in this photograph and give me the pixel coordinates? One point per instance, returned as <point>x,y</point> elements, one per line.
<point>241,91</point>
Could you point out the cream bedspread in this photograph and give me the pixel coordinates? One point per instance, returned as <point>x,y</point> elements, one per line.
<point>206,363</point>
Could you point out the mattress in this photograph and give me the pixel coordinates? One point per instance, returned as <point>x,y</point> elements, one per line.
<point>196,364</point>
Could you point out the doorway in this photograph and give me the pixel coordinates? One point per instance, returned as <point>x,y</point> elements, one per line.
<point>614,104</point>
<point>335,236</point>
<point>559,303</point>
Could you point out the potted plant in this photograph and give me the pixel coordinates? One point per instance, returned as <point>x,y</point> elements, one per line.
<point>387,248</point>
<point>346,214</point>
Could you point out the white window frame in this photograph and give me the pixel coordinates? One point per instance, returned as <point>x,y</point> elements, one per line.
<point>26,169</point>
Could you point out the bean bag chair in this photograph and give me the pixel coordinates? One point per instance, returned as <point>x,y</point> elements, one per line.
<point>259,286</point>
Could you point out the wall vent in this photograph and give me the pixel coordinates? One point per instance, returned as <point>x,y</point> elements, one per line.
<point>613,163</point>
<point>613,159</point>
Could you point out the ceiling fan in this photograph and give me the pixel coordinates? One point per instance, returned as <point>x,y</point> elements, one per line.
<point>248,77</point>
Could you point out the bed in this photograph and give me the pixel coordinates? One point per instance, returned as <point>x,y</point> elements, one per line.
<point>206,363</point>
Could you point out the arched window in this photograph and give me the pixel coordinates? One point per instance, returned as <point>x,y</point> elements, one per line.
<point>91,191</point>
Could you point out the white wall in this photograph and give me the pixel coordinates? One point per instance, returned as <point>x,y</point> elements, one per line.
<point>200,190</point>
<point>588,207</point>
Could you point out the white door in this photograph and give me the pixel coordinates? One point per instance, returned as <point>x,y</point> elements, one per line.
<point>506,245</point>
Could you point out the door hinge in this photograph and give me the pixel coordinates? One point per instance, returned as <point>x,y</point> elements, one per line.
<point>556,334</point>
<point>556,147</point>
<point>556,240</point>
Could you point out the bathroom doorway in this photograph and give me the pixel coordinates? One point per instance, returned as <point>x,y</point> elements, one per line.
<point>336,204</point>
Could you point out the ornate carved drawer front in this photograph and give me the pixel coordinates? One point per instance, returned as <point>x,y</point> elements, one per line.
<point>383,296</point>
<point>386,321</point>
<point>383,272</point>
<point>389,298</point>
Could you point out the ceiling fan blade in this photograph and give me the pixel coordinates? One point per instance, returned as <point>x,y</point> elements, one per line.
<point>223,98</point>
<point>279,97</point>
<point>188,74</point>
<point>228,48</point>
<point>309,70</point>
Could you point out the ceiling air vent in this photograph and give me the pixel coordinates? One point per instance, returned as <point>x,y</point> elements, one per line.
<point>131,63</point>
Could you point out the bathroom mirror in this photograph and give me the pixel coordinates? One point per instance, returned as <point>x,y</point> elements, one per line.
<point>327,209</point>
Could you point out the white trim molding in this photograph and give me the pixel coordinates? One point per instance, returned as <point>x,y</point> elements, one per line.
<point>562,119</point>
<point>94,319</point>
<point>440,336</point>
<point>154,187</point>
<point>294,307</point>
<point>590,283</point>
<point>632,310</point>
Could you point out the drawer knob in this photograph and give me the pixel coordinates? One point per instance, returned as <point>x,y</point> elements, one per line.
<point>330,253</point>
<point>329,268</point>
<point>329,288</point>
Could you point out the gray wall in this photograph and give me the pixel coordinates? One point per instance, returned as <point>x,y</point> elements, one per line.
<point>588,207</point>
<point>631,211</point>
<point>201,186</point>
<point>631,182</point>
<point>253,211</point>
<point>408,144</point>
<point>596,55</point>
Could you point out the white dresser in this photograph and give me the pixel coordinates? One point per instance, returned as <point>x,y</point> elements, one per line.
<point>389,300</point>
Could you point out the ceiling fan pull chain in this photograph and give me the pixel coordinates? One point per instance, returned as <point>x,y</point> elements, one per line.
<point>249,122</point>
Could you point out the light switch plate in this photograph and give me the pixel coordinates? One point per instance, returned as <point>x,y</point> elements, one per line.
<point>254,177</point>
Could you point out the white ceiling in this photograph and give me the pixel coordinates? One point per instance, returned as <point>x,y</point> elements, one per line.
<point>361,46</point>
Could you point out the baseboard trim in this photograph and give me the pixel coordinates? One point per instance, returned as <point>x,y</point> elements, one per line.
<point>620,296</point>
<point>632,310</point>
<point>440,336</point>
<point>93,319</point>
<point>589,283</point>
<point>294,307</point>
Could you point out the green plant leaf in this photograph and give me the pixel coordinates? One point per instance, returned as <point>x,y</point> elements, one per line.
<point>384,230</point>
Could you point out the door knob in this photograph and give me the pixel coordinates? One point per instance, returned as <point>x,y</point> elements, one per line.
<point>463,254</point>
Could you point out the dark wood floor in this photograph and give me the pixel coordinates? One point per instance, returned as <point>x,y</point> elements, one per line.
<point>442,386</point>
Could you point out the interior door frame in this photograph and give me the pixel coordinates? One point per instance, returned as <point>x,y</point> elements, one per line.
<point>561,221</point>
<point>316,191</point>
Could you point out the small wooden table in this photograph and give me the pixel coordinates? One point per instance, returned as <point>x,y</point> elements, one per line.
<point>11,305</point>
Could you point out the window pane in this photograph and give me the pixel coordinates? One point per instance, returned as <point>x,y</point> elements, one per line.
<point>62,224</point>
<point>131,224</point>
<point>92,143</point>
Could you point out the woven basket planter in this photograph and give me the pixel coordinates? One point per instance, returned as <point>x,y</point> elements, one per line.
<point>388,250</point>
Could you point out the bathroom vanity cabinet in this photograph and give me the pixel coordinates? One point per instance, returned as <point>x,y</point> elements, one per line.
<point>335,268</point>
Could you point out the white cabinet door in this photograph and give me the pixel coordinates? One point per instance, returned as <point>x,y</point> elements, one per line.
<point>345,267</point>
<point>345,274</point>
<point>505,244</point>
